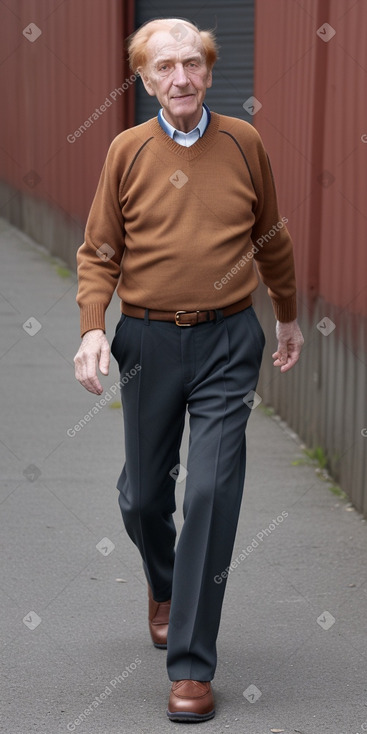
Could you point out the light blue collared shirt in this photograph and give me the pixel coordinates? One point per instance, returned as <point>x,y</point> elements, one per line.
<point>185,139</point>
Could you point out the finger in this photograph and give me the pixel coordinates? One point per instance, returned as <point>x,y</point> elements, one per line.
<point>104,361</point>
<point>280,356</point>
<point>91,382</point>
<point>90,379</point>
<point>86,373</point>
<point>286,367</point>
<point>291,361</point>
<point>92,385</point>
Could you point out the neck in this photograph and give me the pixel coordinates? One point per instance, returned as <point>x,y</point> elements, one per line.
<point>184,124</point>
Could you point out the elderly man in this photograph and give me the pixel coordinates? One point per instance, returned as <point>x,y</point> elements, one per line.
<point>184,204</point>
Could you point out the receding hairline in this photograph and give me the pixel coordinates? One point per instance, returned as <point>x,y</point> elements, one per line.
<point>164,23</point>
<point>160,47</point>
<point>137,42</point>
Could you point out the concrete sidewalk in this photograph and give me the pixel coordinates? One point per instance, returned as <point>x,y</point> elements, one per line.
<point>76,653</point>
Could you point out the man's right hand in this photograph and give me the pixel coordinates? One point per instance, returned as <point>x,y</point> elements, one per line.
<point>94,350</point>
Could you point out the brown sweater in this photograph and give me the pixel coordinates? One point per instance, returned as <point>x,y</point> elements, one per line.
<point>177,228</point>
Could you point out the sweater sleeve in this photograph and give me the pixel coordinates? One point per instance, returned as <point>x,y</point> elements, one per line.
<point>99,257</point>
<point>272,243</point>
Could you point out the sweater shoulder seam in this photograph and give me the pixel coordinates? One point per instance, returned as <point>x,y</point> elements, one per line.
<point>226,132</point>
<point>136,157</point>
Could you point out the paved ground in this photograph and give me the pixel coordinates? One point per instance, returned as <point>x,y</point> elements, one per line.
<point>292,643</point>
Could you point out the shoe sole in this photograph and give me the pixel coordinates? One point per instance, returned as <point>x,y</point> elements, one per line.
<point>190,716</point>
<point>159,646</point>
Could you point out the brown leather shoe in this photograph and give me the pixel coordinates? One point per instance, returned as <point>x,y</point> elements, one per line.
<point>191,700</point>
<point>158,617</point>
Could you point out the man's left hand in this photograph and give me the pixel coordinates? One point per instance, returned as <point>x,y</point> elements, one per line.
<point>290,342</point>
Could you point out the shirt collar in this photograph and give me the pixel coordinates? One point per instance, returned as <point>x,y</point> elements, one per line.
<point>200,127</point>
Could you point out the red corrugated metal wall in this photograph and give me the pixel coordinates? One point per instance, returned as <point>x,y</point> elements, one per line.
<point>313,120</point>
<point>59,63</point>
<point>343,261</point>
<point>311,79</point>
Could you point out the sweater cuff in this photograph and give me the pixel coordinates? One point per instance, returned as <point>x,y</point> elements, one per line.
<point>92,317</point>
<point>285,310</point>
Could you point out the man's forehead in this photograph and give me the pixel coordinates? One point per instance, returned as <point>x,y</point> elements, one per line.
<point>162,44</point>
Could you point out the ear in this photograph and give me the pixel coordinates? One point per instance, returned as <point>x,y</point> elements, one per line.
<point>209,80</point>
<point>146,81</point>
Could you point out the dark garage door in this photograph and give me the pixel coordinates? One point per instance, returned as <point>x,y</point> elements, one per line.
<point>233,73</point>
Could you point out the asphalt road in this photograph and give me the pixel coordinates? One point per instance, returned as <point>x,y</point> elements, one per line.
<point>76,653</point>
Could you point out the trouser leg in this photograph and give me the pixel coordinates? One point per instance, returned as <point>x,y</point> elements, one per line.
<point>154,412</point>
<point>227,367</point>
<point>210,367</point>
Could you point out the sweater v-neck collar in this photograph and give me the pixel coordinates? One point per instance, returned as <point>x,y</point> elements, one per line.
<point>194,150</point>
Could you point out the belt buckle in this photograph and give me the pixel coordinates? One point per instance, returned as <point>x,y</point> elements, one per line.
<point>177,318</point>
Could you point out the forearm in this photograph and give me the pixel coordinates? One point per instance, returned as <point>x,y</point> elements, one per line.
<point>96,284</point>
<point>275,263</point>
<point>273,245</point>
<point>99,257</point>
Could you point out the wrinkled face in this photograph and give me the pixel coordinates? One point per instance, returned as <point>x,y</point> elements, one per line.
<point>177,74</point>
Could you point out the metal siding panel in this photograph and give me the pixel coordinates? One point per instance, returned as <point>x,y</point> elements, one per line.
<point>343,279</point>
<point>50,87</point>
<point>285,33</point>
<point>233,72</point>
<point>312,119</point>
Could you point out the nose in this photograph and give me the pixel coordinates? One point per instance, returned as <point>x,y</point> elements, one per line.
<point>179,78</point>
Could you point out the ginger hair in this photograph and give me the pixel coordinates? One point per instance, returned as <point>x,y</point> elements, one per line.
<point>136,43</point>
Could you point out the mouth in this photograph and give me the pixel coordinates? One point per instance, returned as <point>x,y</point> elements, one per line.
<point>183,96</point>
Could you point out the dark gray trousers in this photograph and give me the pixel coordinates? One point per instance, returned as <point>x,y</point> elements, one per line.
<point>208,368</point>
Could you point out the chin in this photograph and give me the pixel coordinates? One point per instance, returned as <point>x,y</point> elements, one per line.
<point>188,107</point>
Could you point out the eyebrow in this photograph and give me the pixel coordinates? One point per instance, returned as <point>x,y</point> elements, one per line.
<point>193,57</point>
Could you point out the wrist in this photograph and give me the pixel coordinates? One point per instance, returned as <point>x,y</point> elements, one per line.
<point>93,332</point>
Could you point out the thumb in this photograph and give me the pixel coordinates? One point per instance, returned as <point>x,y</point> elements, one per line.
<point>282,353</point>
<point>104,360</point>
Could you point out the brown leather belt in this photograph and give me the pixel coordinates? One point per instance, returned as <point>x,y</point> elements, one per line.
<point>184,318</point>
